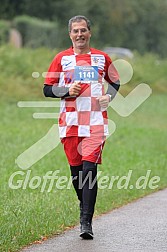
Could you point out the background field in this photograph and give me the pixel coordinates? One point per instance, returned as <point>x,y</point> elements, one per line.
<point>138,144</point>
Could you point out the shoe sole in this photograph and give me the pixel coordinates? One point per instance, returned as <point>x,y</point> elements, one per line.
<point>86,236</point>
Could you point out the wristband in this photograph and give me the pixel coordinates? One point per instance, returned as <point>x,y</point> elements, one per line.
<point>109,97</point>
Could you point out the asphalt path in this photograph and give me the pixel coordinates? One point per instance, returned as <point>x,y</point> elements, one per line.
<point>140,226</point>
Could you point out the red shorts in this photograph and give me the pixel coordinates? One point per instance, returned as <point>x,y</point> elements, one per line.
<point>78,149</point>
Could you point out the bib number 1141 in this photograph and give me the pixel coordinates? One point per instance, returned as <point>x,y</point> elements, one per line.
<point>86,73</point>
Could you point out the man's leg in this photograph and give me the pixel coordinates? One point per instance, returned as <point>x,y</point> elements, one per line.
<point>91,156</point>
<point>89,193</point>
<point>75,161</point>
<point>75,173</point>
<point>87,151</point>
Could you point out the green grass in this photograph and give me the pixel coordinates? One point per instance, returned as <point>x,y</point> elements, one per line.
<point>138,144</point>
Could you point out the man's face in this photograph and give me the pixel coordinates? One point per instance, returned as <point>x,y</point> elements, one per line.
<point>80,35</point>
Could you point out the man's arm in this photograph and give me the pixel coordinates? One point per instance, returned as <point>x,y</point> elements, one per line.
<point>113,89</point>
<point>112,78</point>
<point>61,92</point>
<point>55,92</point>
<point>110,94</point>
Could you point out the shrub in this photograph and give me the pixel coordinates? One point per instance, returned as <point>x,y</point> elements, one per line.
<point>37,33</point>
<point>4,32</point>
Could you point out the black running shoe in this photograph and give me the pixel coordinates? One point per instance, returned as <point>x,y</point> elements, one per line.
<point>86,231</point>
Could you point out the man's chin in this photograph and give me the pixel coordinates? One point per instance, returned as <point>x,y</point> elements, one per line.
<point>80,45</point>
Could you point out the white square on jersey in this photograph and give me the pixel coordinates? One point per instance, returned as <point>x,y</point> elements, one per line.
<point>96,118</point>
<point>62,131</point>
<point>83,103</point>
<point>68,62</point>
<point>84,130</point>
<point>72,118</point>
<point>96,89</point>
<point>106,132</point>
<point>98,60</point>
<point>62,106</point>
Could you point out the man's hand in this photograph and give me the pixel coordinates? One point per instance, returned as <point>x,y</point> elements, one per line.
<point>104,101</point>
<point>75,89</point>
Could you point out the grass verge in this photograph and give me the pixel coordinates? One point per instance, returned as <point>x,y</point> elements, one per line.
<point>137,146</point>
<point>27,215</point>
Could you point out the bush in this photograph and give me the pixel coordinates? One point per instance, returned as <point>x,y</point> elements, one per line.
<point>4,32</point>
<point>37,33</point>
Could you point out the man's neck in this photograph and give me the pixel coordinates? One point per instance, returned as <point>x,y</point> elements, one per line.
<point>81,51</point>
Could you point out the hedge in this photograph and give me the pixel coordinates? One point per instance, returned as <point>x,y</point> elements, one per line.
<point>37,33</point>
<point>4,32</point>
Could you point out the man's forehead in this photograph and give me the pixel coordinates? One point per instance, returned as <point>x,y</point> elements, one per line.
<point>79,24</point>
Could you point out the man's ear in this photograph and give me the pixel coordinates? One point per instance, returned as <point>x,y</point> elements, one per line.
<point>69,35</point>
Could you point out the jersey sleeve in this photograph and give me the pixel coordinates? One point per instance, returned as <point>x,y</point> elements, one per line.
<point>111,75</point>
<point>53,73</point>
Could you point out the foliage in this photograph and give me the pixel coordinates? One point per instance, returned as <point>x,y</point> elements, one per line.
<point>139,25</point>
<point>148,68</point>
<point>4,31</point>
<point>37,33</point>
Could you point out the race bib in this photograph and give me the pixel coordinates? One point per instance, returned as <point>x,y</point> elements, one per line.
<point>86,73</point>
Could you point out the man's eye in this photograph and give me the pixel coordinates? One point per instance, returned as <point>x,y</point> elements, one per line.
<point>83,30</point>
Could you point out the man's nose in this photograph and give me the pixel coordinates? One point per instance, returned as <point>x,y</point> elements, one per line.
<point>79,32</point>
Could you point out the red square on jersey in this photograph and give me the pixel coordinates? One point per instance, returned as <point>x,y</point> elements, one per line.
<point>85,90</point>
<point>84,118</point>
<point>62,119</point>
<point>97,130</point>
<point>72,131</point>
<point>70,105</point>
<point>105,117</point>
<point>95,106</point>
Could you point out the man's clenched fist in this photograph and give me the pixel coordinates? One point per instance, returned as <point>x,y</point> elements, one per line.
<point>75,89</point>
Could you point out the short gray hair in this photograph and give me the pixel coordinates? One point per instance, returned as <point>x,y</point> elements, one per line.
<point>78,18</point>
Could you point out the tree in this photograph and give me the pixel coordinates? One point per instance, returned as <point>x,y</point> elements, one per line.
<point>139,25</point>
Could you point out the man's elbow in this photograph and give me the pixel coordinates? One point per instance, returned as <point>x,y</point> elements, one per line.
<point>45,91</point>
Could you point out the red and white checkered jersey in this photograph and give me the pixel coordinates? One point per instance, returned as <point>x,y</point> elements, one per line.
<point>82,115</point>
